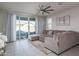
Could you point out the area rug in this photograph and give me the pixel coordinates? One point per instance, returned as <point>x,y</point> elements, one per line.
<point>40,46</point>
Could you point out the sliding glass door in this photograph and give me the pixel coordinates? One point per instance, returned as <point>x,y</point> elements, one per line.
<point>25,26</point>
<point>32,29</point>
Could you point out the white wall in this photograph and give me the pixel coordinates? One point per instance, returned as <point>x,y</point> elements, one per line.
<point>3,17</point>
<point>74,20</point>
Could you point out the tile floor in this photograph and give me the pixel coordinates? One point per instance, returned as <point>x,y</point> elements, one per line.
<point>25,48</point>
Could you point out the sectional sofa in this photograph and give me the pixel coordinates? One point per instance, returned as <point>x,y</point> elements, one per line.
<point>59,41</point>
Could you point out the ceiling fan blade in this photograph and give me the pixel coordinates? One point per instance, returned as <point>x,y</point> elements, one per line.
<point>50,10</point>
<point>47,7</point>
<point>47,12</point>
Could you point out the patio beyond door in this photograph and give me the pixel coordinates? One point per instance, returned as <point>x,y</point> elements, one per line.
<point>25,26</point>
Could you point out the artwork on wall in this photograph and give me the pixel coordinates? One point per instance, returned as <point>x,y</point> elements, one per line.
<point>63,21</point>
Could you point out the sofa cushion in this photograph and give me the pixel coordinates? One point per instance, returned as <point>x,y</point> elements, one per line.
<point>49,33</point>
<point>45,32</point>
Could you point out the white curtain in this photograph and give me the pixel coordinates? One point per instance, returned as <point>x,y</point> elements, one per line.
<point>11,29</point>
<point>41,24</point>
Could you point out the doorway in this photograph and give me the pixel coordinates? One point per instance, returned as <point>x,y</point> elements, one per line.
<point>25,26</point>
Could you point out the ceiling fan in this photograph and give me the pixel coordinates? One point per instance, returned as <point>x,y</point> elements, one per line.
<point>45,9</point>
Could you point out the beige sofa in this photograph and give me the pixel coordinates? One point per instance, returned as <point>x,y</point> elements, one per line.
<point>60,41</point>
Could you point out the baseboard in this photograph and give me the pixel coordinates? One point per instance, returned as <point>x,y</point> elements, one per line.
<point>11,42</point>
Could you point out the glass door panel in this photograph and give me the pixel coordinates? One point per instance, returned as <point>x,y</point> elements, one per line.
<point>17,28</point>
<point>32,27</point>
<point>23,27</point>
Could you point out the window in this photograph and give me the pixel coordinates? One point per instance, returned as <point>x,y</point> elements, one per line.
<point>23,18</point>
<point>49,23</point>
<point>32,25</point>
<point>17,17</point>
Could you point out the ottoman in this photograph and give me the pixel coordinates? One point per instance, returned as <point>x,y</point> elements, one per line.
<point>34,37</point>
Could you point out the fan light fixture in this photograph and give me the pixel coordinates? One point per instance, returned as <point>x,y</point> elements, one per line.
<point>46,9</point>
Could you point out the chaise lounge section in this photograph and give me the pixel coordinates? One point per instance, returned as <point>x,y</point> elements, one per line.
<point>60,41</point>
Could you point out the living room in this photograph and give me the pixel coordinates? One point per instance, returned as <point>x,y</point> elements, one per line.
<point>44,28</point>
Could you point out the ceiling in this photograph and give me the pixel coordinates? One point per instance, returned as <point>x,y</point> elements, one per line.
<point>33,7</point>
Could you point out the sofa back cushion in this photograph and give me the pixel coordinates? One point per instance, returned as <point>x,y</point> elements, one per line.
<point>45,32</point>
<point>49,32</point>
